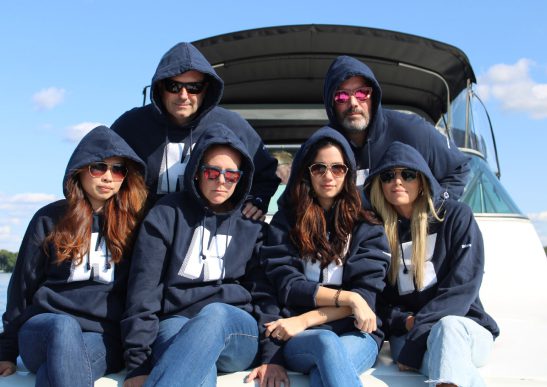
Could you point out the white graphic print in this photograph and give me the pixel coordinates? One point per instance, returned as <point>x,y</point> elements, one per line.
<point>361,176</point>
<point>100,268</point>
<point>172,167</point>
<point>201,257</point>
<point>332,274</point>
<point>405,281</point>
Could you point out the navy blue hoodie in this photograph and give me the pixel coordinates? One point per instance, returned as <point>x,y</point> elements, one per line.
<point>149,129</point>
<point>448,164</point>
<point>297,280</point>
<point>40,285</point>
<point>170,277</point>
<point>454,266</point>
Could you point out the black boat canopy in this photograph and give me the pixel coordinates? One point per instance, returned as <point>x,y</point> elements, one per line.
<point>287,65</point>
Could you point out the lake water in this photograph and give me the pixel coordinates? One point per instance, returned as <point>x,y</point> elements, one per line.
<point>4,281</point>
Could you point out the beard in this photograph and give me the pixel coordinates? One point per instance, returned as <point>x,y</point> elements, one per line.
<point>353,123</point>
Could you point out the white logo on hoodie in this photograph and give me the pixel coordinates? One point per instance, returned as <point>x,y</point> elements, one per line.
<point>203,258</point>
<point>96,264</point>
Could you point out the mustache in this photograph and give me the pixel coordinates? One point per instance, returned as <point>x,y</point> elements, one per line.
<point>352,110</point>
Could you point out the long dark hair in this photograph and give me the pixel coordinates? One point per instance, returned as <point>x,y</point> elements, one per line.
<point>309,233</point>
<point>122,214</point>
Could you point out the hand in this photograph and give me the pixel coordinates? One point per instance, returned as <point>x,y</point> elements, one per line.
<point>409,323</point>
<point>365,318</point>
<point>405,368</point>
<point>285,328</point>
<point>252,212</point>
<point>270,375</point>
<point>135,381</point>
<point>7,368</point>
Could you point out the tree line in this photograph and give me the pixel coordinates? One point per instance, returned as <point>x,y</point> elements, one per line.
<point>7,260</point>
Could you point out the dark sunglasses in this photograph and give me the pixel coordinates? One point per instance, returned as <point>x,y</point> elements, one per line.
<point>337,170</point>
<point>407,174</point>
<point>231,176</point>
<point>175,87</point>
<point>361,94</point>
<point>118,171</point>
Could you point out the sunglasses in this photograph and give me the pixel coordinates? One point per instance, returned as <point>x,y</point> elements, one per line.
<point>337,170</point>
<point>175,87</point>
<point>407,174</point>
<point>118,171</point>
<point>361,94</point>
<point>231,176</point>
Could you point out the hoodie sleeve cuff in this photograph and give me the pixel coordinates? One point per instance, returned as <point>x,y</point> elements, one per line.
<point>412,354</point>
<point>272,352</point>
<point>144,369</point>
<point>303,294</point>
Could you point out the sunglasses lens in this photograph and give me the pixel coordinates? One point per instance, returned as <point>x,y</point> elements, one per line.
<point>175,87</point>
<point>338,169</point>
<point>318,169</point>
<point>211,173</point>
<point>194,87</point>
<point>362,94</point>
<point>98,169</point>
<point>387,176</point>
<point>232,176</point>
<point>119,171</point>
<point>341,96</point>
<point>408,174</point>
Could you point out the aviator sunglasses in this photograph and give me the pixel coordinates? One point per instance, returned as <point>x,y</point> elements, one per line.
<point>337,170</point>
<point>175,87</point>
<point>231,176</point>
<point>118,171</point>
<point>361,94</point>
<point>407,174</point>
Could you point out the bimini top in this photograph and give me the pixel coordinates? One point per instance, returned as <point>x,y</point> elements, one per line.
<point>287,64</point>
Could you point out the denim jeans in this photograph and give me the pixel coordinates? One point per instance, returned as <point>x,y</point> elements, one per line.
<point>188,352</point>
<point>54,347</point>
<point>329,359</point>
<point>456,347</point>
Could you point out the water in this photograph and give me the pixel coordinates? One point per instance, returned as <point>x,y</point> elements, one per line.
<point>4,281</point>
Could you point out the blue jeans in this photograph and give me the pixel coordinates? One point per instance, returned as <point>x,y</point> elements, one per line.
<point>329,359</point>
<point>456,347</point>
<point>54,347</point>
<point>188,352</point>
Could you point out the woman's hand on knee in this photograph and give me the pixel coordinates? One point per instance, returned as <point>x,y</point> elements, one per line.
<point>135,381</point>
<point>286,328</point>
<point>269,375</point>
<point>7,368</point>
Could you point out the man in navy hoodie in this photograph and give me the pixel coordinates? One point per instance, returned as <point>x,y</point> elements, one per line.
<point>352,98</point>
<point>185,94</point>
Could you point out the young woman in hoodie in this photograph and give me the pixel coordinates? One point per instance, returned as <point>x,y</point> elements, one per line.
<point>327,264</point>
<point>67,293</point>
<point>196,289</point>
<point>431,306</point>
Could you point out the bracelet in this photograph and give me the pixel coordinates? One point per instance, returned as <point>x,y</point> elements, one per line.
<point>336,296</point>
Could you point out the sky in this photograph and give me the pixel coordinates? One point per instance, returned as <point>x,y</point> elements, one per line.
<point>67,66</point>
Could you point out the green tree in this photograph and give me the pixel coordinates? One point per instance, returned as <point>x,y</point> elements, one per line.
<point>7,260</point>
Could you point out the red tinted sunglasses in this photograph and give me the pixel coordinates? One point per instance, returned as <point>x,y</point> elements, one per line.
<point>231,176</point>
<point>361,94</point>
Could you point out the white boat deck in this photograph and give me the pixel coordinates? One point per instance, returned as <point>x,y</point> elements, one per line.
<point>514,292</point>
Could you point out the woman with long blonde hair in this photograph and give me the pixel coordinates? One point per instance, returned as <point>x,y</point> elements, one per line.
<point>430,308</point>
<point>67,293</point>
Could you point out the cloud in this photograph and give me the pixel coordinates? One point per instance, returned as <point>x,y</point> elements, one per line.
<point>513,86</point>
<point>15,214</point>
<point>47,99</point>
<point>76,132</point>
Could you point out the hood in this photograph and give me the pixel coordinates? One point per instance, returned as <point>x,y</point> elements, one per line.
<point>181,58</point>
<point>325,132</point>
<point>341,69</point>
<point>402,155</point>
<point>97,145</point>
<point>219,134</point>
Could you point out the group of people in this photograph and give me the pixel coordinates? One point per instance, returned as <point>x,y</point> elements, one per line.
<point>158,259</point>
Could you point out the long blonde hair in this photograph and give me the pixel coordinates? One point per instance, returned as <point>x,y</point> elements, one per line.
<point>422,208</point>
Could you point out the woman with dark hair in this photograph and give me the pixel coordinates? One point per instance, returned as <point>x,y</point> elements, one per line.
<point>67,293</point>
<point>430,307</point>
<point>327,264</point>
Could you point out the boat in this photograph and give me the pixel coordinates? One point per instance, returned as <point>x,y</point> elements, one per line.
<point>274,78</point>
